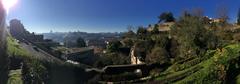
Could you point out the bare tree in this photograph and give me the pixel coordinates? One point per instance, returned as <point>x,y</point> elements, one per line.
<point>198,12</point>
<point>222,13</point>
<point>185,13</point>
<point>130,28</point>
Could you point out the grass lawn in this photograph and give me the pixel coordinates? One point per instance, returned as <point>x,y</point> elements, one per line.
<point>13,48</point>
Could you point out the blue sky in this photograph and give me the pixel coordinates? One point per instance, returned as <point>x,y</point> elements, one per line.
<point>105,15</point>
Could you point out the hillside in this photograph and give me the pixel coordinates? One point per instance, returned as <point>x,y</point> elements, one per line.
<point>216,67</point>
<point>193,49</point>
<point>190,49</point>
<point>26,68</point>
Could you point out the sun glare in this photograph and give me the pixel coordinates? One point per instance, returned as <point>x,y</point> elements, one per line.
<point>7,4</point>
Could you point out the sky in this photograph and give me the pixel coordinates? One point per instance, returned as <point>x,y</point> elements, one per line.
<point>42,16</point>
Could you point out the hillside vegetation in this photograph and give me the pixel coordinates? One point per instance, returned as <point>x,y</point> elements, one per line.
<point>185,50</point>
<point>27,69</point>
<point>195,49</point>
<point>20,58</point>
<point>214,69</point>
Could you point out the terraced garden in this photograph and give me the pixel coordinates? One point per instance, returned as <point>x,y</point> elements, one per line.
<point>209,69</point>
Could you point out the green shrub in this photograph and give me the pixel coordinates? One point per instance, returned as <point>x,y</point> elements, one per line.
<point>158,55</point>
<point>15,77</point>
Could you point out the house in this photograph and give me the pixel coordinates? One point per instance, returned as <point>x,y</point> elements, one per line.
<point>213,20</point>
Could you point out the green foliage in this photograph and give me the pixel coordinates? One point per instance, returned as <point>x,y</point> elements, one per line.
<point>129,34</point>
<point>142,48</point>
<point>161,40</point>
<point>167,17</point>
<point>171,78</point>
<point>114,46</point>
<point>215,68</point>
<point>37,71</point>
<point>193,37</point>
<point>128,42</point>
<point>142,33</point>
<point>15,77</point>
<point>158,55</point>
<point>80,42</point>
<point>224,35</point>
<point>14,49</point>
<point>33,70</point>
<point>155,29</point>
<point>112,59</point>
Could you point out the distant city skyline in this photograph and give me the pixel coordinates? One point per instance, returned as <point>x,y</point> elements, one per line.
<point>42,16</point>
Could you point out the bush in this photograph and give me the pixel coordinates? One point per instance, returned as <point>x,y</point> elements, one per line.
<point>114,46</point>
<point>192,36</point>
<point>127,42</point>
<point>34,72</point>
<point>112,59</point>
<point>161,40</point>
<point>167,17</point>
<point>158,55</point>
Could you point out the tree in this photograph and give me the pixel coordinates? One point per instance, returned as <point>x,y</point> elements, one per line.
<point>142,48</point>
<point>192,36</point>
<point>141,31</point>
<point>238,19</point>
<point>166,17</point>
<point>130,33</point>
<point>112,59</point>
<point>81,42</point>
<point>158,55</point>
<point>185,13</point>
<point>114,46</point>
<point>155,29</point>
<point>222,14</point>
<point>197,12</point>
<point>161,40</point>
<point>128,42</point>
